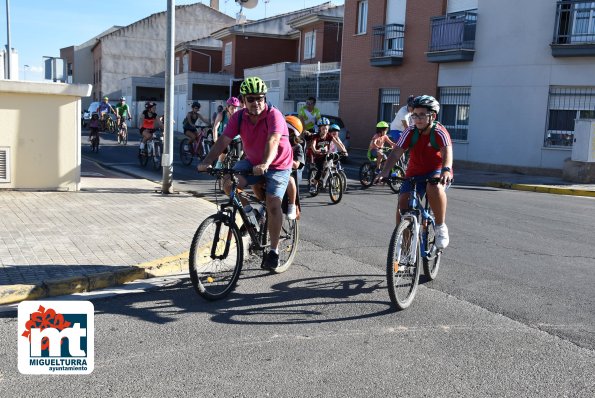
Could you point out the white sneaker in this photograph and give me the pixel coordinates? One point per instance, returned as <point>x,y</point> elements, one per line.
<point>441,240</point>
<point>291,212</point>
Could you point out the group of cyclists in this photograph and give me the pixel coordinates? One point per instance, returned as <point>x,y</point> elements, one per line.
<point>276,147</point>
<point>99,119</point>
<point>274,153</point>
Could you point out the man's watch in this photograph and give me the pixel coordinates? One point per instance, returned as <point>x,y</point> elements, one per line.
<point>446,169</point>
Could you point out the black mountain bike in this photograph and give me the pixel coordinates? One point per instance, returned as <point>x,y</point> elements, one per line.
<point>221,250</point>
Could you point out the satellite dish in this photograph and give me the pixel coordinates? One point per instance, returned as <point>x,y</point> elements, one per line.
<point>247,3</point>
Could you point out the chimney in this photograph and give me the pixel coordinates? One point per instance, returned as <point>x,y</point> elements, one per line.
<point>215,4</point>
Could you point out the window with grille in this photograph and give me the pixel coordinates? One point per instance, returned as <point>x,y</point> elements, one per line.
<point>362,16</point>
<point>310,45</point>
<point>389,104</point>
<point>227,54</point>
<point>454,111</point>
<point>565,105</point>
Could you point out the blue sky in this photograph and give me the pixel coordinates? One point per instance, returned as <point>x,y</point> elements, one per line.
<point>41,28</point>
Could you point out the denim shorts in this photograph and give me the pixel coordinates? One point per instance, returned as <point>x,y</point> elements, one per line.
<point>276,180</point>
<point>421,185</point>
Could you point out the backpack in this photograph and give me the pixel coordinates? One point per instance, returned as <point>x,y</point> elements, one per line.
<point>416,135</point>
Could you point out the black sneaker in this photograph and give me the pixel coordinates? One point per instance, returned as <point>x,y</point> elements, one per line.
<point>271,261</point>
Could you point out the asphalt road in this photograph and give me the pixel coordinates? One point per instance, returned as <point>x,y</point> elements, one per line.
<point>511,313</point>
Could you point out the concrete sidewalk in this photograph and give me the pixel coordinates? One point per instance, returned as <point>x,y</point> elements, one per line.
<point>116,229</point>
<point>119,228</point>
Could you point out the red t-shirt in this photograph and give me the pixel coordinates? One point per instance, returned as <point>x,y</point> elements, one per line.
<point>424,158</point>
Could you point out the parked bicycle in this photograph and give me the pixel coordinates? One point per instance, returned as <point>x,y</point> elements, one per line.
<point>411,244</point>
<point>367,172</point>
<point>330,178</point>
<point>199,147</point>
<point>153,150</point>
<point>219,251</point>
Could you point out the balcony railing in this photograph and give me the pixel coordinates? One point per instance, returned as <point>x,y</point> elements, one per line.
<point>387,45</point>
<point>452,37</point>
<point>574,32</point>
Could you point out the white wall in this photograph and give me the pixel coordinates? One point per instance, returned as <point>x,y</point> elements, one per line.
<point>510,78</point>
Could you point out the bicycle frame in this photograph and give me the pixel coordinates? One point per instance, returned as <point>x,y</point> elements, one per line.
<point>234,206</point>
<point>419,213</point>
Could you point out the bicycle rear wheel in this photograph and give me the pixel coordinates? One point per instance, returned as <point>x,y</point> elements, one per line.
<point>335,188</point>
<point>288,242</point>
<point>366,174</point>
<point>216,256</point>
<point>185,154</point>
<point>432,259</point>
<point>394,184</point>
<point>403,265</point>
<point>343,179</point>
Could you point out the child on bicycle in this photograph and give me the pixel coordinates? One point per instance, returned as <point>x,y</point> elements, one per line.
<point>378,142</point>
<point>94,125</point>
<point>295,127</point>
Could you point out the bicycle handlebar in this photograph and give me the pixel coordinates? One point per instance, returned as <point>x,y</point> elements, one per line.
<point>225,171</point>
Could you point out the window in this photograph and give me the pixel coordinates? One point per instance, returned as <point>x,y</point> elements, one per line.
<point>362,16</point>
<point>583,24</point>
<point>310,45</point>
<point>185,63</point>
<point>227,54</point>
<point>454,111</point>
<point>389,104</point>
<point>566,104</point>
<point>177,68</point>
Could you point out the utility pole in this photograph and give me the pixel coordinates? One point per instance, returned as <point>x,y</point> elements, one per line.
<point>8,48</point>
<point>168,156</point>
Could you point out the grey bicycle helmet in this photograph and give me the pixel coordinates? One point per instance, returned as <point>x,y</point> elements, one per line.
<point>428,102</point>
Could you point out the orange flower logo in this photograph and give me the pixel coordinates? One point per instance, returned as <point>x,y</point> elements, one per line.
<point>43,319</point>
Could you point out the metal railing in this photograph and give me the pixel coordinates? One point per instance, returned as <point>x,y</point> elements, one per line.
<point>453,31</point>
<point>388,40</point>
<point>575,22</point>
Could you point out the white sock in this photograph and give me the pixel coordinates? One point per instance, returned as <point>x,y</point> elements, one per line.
<point>290,207</point>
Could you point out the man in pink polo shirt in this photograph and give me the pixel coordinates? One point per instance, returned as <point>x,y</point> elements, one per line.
<point>265,139</point>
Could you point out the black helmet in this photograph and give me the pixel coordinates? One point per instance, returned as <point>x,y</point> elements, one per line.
<point>428,102</point>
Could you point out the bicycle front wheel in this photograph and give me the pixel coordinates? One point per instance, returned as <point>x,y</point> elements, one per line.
<point>403,265</point>
<point>157,157</point>
<point>143,157</point>
<point>185,152</point>
<point>366,174</point>
<point>343,179</point>
<point>432,256</point>
<point>335,188</point>
<point>394,184</point>
<point>216,256</point>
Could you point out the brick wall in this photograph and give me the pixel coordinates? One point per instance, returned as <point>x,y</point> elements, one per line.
<point>361,82</point>
<point>250,52</point>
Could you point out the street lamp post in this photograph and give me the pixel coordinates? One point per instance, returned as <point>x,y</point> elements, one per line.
<point>25,67</point>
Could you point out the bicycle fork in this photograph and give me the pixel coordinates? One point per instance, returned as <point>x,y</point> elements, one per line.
<point>216,240</point>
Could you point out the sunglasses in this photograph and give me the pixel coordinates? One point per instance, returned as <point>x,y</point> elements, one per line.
<point>251,99</point>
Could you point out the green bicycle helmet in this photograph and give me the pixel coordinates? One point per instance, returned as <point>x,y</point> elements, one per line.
<point>382,125</point>
<point>253,85</point>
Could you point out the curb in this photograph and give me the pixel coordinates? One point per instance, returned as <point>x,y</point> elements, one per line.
<point>170,265</point>
<point>542,189</point>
